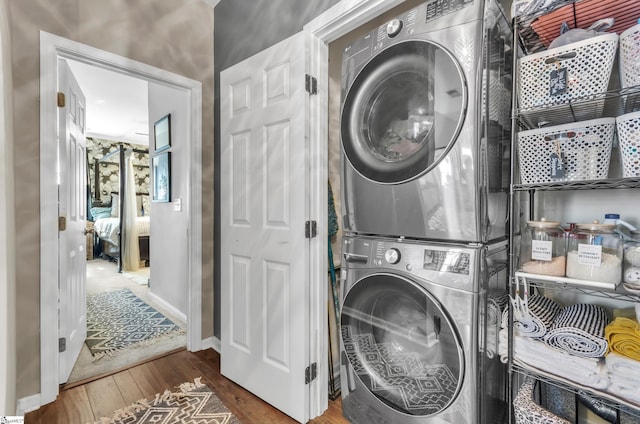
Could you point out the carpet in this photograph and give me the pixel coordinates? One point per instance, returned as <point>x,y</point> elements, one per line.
<point>191,403</point>
<point>117,319</point>
<point>399,378</point>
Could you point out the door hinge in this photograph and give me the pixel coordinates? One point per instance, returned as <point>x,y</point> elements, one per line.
<point>310,373</point>
<point>310,84</point>
<point>61,99</point>
<point>62,344</point>
<point>62,223</point>
<point>310,229</point>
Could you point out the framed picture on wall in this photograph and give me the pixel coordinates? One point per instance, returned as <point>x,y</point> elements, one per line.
<point>162,133</point>
<point>161,172</point>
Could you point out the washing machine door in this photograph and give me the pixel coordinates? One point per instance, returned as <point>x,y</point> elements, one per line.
<point>402,345</point>
<point>403,112</point>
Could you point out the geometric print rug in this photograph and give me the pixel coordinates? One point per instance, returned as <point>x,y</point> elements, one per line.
<point>399,378</point>
<point>118,319</point>
<point>191,403</point>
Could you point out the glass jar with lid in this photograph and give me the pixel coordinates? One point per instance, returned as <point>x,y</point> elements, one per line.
<point>543,249</point>
<point>595,253</point>
<point>631,266</point>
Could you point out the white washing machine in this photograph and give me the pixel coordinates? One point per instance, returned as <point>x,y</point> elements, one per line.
<point>413,332</point>
<point>425,144</point>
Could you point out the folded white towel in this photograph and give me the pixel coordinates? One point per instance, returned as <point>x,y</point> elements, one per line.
<point>630,393</point>
<point>623,366</point>
<point>589,372</point>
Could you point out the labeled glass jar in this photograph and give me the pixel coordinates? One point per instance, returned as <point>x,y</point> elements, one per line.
<point>543,249</point>
<point>631,266</point>
<point>595,253</point>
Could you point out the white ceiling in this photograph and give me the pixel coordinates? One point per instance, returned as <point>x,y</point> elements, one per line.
<point>117,107</point>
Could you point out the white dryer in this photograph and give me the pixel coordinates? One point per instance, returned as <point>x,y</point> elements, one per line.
<point>413,333</point>
<point>425,144</point>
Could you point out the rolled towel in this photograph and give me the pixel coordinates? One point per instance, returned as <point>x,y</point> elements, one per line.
<point>503,345</point>
<point>496,305</point>
<point>579,330</point>
<point>537,320</point>
<point>527,411</point>
<point>623,335</point>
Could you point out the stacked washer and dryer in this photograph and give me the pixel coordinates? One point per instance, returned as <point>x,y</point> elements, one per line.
<point>424,131</point>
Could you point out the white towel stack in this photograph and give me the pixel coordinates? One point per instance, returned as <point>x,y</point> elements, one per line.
<point>624,375</point>
<point>590,372</point>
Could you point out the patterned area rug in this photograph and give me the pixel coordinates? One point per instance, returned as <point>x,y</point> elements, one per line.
<point>399,378</point>
<point>191,403</point>
<point>117,319</point>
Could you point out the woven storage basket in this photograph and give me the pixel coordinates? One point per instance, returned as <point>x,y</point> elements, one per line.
<point>585,147</point>
<point>628,127</point>
<point>586,65</point>
<point>630,57</point>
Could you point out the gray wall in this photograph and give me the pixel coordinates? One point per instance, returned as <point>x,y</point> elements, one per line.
<point>243,28</point>
<point>168,243</point>
<point>168,34</point>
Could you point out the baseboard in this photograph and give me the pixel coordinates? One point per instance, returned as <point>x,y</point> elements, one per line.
<point>209,343</point>
<point>216,344</point>
<point>181,316</point>
<point>28,404</point>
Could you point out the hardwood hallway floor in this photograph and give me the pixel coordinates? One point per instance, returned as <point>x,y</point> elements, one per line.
<point>87,402</point>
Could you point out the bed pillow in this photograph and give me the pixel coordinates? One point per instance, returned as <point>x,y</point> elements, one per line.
<point>115,205</point>
<point>98,213</point>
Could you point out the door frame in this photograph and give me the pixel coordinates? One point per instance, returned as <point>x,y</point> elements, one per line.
<point>342,18</point>
<point>53,47</point>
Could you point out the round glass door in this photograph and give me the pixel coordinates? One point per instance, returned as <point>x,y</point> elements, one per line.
<point>401,344</point>
<point>403,112</point>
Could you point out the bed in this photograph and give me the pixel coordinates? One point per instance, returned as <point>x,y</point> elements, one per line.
<point>107,231</point>
<point>125,217</point>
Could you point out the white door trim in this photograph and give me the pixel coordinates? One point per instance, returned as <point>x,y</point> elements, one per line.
<point>339,20</point>
<point>51,48</point>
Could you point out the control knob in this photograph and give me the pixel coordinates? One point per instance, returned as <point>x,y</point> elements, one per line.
<point>392,256</point>
<point>394,27</point>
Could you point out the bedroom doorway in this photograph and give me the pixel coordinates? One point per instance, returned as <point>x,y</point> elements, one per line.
<point>183,97</point>
<point>118,186</point>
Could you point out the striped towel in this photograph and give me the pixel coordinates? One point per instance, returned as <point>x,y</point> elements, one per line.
<point>623,336</point>
<point>579,330</point>
<point>536,321</point>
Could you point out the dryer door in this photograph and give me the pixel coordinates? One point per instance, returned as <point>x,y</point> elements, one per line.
<point>402,345</point>
<point>403,112</point>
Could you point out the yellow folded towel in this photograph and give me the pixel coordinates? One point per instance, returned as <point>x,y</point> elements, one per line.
<point>623,336</point>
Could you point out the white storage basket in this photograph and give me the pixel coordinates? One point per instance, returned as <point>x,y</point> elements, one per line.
<point>585,147</point>
<point>629,143</point>
<point>585,65</point>
<point>630,57</point>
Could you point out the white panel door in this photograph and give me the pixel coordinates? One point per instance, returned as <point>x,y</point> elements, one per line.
<point>72,206</point>
<point>264,204</point>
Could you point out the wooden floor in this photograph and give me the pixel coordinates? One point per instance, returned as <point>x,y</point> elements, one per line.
<point>87,402</point>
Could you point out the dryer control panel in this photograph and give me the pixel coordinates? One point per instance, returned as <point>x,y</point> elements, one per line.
<point>452,261</point>
<point>439,8</point>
